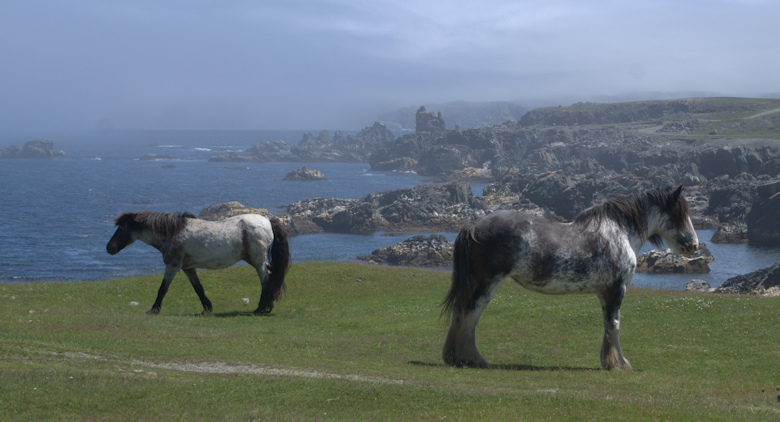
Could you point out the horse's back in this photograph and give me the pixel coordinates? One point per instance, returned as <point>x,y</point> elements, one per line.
<point>222,243</point>
<point>544,255</point>
<point>501,240</point>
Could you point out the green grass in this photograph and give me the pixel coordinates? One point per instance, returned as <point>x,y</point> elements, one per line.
<point>361,342</point>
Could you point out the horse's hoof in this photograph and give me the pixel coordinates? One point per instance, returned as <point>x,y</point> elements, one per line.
<point>472,364</point>
<point>263,310</point>
<point>153,311</point>
<point>205,313</point>
<point>618,366</point>
<point>467,363</point>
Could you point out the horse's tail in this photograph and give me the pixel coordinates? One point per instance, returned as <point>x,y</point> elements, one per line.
<point>279,260</point>
<point>459,298</point>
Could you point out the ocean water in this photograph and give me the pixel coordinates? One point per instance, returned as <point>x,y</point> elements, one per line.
<point>56,216</point>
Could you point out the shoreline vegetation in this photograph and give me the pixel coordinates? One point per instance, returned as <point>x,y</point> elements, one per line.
<point>363,342</point>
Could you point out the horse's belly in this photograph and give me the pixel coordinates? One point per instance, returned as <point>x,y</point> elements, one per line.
<point>562,281</point>
<point>212,256</point>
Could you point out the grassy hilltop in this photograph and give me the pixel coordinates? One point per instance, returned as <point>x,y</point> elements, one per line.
<point>359,342</point>
<point>691,119</point>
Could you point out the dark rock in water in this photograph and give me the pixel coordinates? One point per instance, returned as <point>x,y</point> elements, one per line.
<point>666,261</point>
<point>169,166</point>
<point>39,148</point>
<point>305,175</point>
<point>234,208</point>
<point>155,157</point>
<point>697,285</point>
<point>418,251</point>
<point>763,221</point>
<point>734,232</point>
<point>764,282</point>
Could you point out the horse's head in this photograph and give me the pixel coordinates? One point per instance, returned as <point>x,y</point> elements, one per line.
<point>675,226</point>
<point>127,229</point>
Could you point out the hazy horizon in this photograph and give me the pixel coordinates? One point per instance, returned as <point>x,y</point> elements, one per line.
<point>86,65</point>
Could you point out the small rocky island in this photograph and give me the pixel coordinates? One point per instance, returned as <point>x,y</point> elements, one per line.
<point>39,148</point>
<point>305,175</point>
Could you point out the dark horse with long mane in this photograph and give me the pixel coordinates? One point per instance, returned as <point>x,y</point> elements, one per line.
<point>187,243</point>
<point>596,253</point>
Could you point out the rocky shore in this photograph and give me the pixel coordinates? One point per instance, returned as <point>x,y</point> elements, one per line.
<point>417,251</point>
<point>556,162</point>
<point>764,282</point>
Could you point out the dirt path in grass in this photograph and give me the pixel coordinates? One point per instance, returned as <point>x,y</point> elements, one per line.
<point>220,368</point>
<point>755,116</point>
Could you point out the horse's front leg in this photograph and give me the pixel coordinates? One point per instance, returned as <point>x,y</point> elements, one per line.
<point>193,276</point>
<point>170,273</point>
<point>611,354</point>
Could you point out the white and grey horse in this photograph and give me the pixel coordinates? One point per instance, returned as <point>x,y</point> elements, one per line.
<point>187,243</point>
<point>596,254</point>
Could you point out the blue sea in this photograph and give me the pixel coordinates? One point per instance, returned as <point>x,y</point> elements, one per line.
<point>56,215</point>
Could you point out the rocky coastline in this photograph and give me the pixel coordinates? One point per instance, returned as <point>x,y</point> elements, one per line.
<point>556,162</point>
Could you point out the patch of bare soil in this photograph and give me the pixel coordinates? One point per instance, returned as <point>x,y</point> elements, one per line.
<point>223,368</point>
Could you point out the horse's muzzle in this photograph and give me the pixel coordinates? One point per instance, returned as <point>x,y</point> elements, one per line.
<point>689,248</point>
<point>112,249</point>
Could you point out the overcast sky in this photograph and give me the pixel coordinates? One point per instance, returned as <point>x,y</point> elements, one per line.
<point>315,64</point>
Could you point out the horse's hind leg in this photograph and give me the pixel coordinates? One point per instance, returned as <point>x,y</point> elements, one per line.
<point>193,276</point>
<point>611,355</point>
<point>266,304</point>
<point>460,346</point>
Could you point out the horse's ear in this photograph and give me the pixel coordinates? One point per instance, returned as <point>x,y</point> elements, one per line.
<point>677,193</point>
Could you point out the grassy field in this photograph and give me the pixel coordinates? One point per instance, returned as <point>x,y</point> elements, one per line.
<point>360,342</point>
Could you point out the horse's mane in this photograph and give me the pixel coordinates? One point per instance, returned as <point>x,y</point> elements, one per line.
<point>631,212</point>
<point>163,224</point>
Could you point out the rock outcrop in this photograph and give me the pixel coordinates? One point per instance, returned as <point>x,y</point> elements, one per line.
<point>418,251</point>
<point>234,208</point>
<point>735,232</point>
<point>39,148</point>
<point>764,282</point>
<point>763,220</point>
<point>426,121</point>
<point>666,261</point>
<point>697,285</point>
<point>443,207</point>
